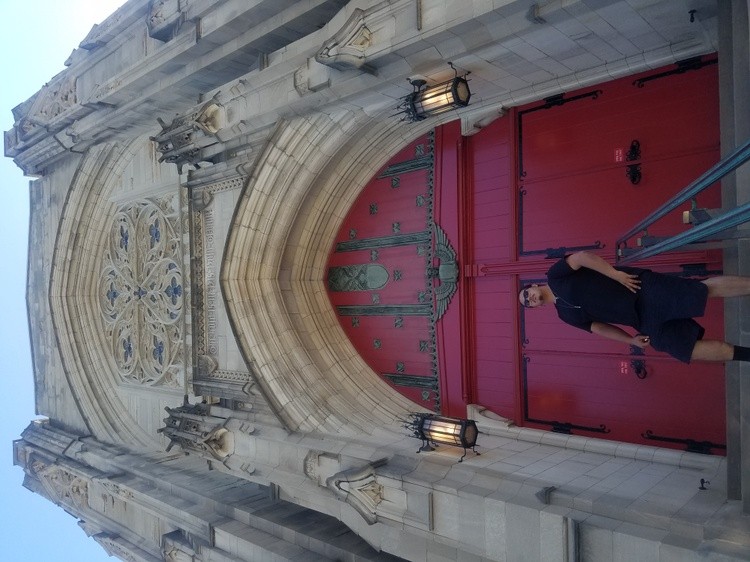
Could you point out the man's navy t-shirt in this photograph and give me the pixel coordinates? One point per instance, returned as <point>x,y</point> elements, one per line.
<point>600,298</point>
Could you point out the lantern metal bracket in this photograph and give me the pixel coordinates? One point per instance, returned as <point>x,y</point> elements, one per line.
<point>426,447</point>
<point>474,451</point>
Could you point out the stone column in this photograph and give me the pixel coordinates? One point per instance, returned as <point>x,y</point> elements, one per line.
<point>734,80</point>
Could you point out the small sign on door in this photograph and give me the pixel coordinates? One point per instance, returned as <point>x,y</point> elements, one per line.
<point>619,154</point>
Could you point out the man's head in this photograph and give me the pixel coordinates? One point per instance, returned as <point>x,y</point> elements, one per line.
<point>532,296</point>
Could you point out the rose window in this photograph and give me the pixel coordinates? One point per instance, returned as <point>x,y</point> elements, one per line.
<point>141,293</point>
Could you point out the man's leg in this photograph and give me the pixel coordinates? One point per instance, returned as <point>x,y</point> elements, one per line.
<point>727,286</point>
<point>712,350</point>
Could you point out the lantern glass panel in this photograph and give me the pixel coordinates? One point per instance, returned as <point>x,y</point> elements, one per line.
<point>440,98</point>
<point>450,431</point>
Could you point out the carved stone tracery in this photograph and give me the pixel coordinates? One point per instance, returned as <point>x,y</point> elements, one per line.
<point>61,485</point>
<point>52,100</point>
<point>141,293</point>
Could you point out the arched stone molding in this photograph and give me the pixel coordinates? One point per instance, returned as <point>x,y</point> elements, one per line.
<point>310,173</point>
<point>74,295</point>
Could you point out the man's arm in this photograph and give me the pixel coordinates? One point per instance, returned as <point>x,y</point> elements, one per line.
<point>618,334</point>
<point>595,263</point>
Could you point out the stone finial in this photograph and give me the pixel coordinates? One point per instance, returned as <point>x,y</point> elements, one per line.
<point>192,427</point>
<point>186,138</point>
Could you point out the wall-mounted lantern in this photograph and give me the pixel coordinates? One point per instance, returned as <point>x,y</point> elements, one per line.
<point>427,101</point>
<point>442,430</point>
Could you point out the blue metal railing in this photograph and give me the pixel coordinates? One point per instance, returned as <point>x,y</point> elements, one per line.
<point>699,233</point>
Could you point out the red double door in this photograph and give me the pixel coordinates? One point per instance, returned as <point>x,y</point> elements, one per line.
<point>571,172</point>
<point>589,169</point>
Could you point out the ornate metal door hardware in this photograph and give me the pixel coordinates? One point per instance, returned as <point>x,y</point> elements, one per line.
<point>633,171</point>
<point>692,445</point>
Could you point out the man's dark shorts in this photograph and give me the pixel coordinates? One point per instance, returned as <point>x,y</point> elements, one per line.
<point>666,306</point>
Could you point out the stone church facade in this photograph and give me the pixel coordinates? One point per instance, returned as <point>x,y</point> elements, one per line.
<point>193,164</point>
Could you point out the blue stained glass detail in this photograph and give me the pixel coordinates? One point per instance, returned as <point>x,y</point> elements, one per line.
<point>127,349</point>
<point>124,237</point>
<point>140,293</point>
<point>112,294</point>
<point>174,290</point>
<point>158,350</point>
<point>154,232</point>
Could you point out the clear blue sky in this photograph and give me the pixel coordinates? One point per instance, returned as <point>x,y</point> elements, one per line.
<point>37,36</point>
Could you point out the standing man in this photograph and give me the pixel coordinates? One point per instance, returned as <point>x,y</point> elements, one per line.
<point>590,294</point>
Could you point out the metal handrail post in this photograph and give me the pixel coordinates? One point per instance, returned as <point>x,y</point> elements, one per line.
<point>733,161</point>
<point>730,219</point>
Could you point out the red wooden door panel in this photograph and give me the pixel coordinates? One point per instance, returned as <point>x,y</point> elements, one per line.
<point>575,193</point>
<point>601,392</point>
<point>574,158</point>
<point>597,206</point>
<point>380,275</point>
<point>493,349</point>
<point>572,376</point>
<point>676,115</point>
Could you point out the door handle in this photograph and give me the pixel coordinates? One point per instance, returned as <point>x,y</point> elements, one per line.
<point>639,368</point>
<point>633,171</point>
